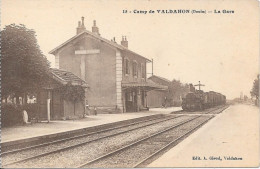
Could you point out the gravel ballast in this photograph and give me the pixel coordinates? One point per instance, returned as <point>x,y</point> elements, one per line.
<point>129,157</point>
<point>79,155</point>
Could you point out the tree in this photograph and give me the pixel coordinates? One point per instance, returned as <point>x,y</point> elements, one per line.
<point>255,89</point>
<point>177,91</point>
<point>24,67</point>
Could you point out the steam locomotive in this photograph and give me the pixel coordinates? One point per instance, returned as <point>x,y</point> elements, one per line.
<point>199,100</point>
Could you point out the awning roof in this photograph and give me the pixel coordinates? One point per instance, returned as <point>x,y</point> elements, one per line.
<point>148,85</point>
<point>65,77</point>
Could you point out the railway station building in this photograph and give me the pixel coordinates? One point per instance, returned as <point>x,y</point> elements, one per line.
<point>116,76</point>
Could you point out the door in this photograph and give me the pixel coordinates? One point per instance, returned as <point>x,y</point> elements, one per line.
<point>131,101</point>
<point>128,101</point>
<point>42,103</point>
<point>56,106</point>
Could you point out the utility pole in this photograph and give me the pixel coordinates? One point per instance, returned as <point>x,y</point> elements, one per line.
<point>199,85</point>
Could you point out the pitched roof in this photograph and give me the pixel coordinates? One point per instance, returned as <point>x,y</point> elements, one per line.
<point>65,77</point>
<point>161,78</point>
<point>98,37</point>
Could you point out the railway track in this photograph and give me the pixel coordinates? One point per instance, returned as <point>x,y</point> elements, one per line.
<point>7,152</point>
<point>214,110</point>
<point>26,155</point>
<point>144,162</point>
<point>218,110</point>
<point>73,134</point>
<point>139,153</point>
<point>99,145</point>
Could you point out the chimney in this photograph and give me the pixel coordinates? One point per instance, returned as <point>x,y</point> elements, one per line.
<point>124,42</point>
<point>82,18</point>
<point>95,28</point>
<point>113,40</point>
<point>81,27</point>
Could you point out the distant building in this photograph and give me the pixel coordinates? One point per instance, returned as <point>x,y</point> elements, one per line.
<point>160,97</point>
<point>172,96</point>
<point>116,75</point>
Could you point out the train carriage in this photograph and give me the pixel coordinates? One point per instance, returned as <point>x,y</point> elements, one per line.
<point>199,100</point>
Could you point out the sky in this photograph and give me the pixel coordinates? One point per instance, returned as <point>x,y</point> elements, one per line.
<point>220,50</point>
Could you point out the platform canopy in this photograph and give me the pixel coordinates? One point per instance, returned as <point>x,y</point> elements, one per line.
<point>148,85</point>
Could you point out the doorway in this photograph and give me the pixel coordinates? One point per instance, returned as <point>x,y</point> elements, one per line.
<point>131,101</point>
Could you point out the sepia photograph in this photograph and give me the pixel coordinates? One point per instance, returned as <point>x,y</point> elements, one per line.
<point>129,84</point>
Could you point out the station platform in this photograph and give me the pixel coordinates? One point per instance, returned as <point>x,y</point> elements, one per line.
<point>233,134</point>
<point>16,133</point>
